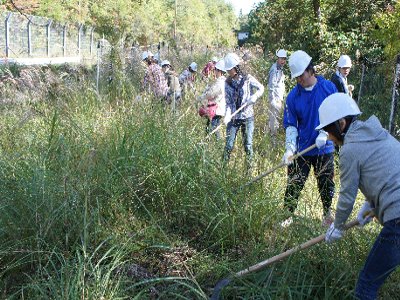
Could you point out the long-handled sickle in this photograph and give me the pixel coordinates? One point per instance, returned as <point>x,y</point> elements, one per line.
<point>262,175</point>
<point>224,282</point>
<point>232,115</point>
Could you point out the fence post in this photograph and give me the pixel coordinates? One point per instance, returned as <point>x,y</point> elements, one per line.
<point>29,29</point>
<point>99,54</point>
<point>361,83</point>
<point>91,42</point>
<point>79,39</point>
<point>64,40</point>
<point>395,95</point>
<point>7,33</point>
<point>48,29</point>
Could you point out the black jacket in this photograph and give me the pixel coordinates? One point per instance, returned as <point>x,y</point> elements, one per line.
<point>338,83</point>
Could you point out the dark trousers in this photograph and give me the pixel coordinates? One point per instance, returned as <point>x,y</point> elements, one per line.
<point>298,173</point>
<point>214,123</point>
<point>382,260</point>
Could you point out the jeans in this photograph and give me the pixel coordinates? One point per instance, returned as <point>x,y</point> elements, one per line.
<point>382,260</point>
<point>247,128</point>
<point>214,123</point>
<point>298,173</point>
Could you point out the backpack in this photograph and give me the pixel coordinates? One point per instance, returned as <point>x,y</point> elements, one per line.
<point>209,110</point>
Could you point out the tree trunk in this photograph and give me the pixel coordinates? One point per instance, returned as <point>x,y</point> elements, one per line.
<point>317,9</point>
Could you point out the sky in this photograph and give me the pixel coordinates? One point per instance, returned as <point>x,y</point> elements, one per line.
<point>245,5</point>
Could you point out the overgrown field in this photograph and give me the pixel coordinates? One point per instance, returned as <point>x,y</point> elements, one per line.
<point>111,196</point>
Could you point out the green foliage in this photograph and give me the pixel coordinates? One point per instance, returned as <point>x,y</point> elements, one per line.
<point>148,22</point>
<point>387,29</point>
<point>342,27</point>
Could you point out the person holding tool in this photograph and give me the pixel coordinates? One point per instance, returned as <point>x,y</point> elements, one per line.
<point>369,160</point>
<point>241,92</point>
<point>299,120</point>
<point>213,99</point>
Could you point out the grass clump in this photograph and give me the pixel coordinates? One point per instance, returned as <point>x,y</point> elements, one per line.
<point>111,196</point>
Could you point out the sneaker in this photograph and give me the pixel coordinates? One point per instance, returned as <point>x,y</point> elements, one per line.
<point>287,222</point>
<point>327,219</point>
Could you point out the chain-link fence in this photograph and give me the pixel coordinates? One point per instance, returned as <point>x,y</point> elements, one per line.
<point>26,36</point>
<point>376,92</point>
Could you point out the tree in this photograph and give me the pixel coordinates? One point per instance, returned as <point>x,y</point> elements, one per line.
<point>198,21</point>
<point>323,28</point>
<point>387,29</point>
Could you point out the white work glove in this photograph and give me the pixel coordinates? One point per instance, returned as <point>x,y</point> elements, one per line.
<point>363,216</point>
<point>287,157</point>
<point>252,99</point>
<point>321,139</point>
<point>290,144</point>
<point>333,234</point>
<point>227,117</point>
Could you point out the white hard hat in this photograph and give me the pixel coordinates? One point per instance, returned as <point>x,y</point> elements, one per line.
<point>146,54</point>
<point>335,107</point>
<point>344,61</point>
<point>165,62</point>
<point>298,63</point>
<point>231,60</point>
<point>193,66</point>
<point>220,65</point>
<point>214,59</point>
<point>281,53</point>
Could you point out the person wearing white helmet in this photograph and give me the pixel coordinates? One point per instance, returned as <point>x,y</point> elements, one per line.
<point>187,79</point>
<point>276,92</point>
<point>369,160</point>
<point>213,99</point>
<point>241,90</point>
<point>154,80</point>
<point>174,92</point>
<point>339,78</point>
<point>147,55</point>
<point>208,69</point>
<point>299,120</point>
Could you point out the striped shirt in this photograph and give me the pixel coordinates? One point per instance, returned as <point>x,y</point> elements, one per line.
<point>244,92</point>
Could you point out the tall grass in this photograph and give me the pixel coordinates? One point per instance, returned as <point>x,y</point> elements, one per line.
<point>104,196</point>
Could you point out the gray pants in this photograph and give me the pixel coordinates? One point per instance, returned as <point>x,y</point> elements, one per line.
<point>274,115</point>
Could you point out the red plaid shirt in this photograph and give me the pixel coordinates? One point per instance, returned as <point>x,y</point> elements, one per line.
<point>154,81</point>
<point>208,69</point>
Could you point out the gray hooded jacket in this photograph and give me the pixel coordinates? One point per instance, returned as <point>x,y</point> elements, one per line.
<point>369,160</point>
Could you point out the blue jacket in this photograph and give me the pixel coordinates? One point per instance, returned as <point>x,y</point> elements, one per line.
<point>301,111</point>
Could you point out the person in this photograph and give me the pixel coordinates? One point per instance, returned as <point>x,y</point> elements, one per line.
<point>154,80</point>
<point>369,160</point>
<point>174,91</point>
<point>246,56</point>
<point>240,90</point>
<point>276,91</point>
<point>215,95</point>
<point>208,69</point>
<point>156,58</point>
<point>299,120</point>
<point>187,78</point>
<point>339,78</point>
